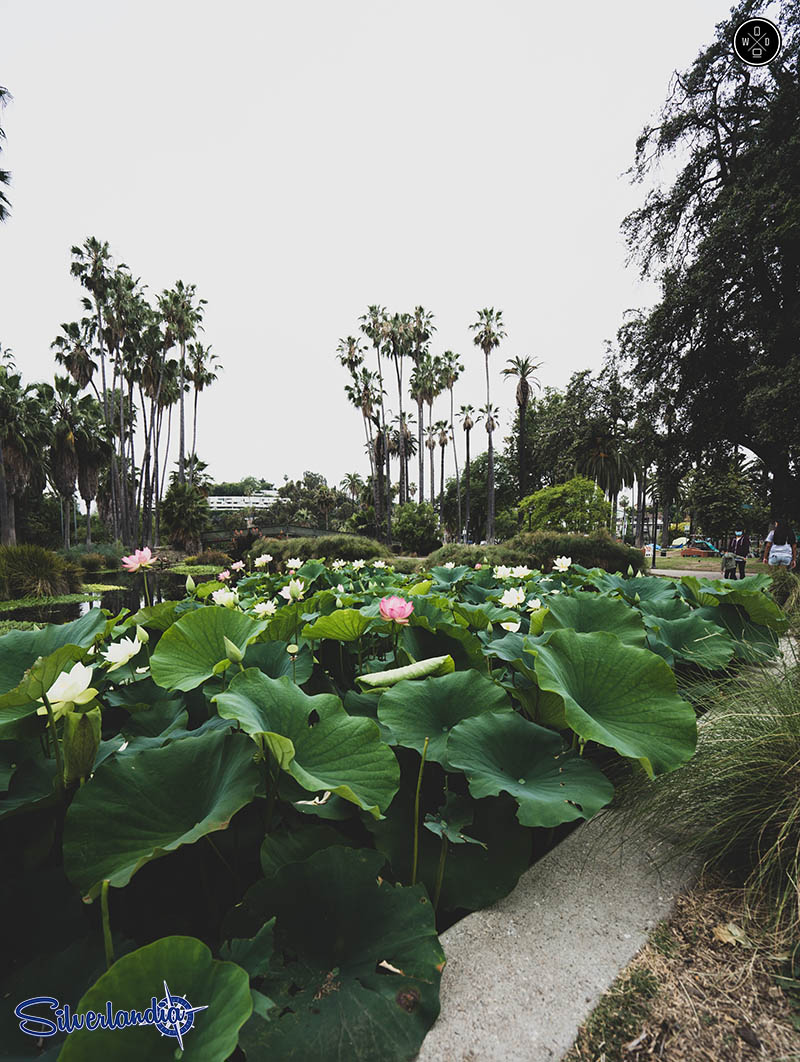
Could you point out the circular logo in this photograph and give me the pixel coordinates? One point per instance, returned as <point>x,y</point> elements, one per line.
<point>175,1016</point>
<point>757,41</point>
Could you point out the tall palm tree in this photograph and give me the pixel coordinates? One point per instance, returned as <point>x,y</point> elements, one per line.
<point>522,369</point>
<point>399,347</point>
<point>93,448</point>
<point>422,327</point>
<point>489,332</point>
<point>5,176</point>
<point>443,428</point>
<point>24,434</point>
<point>63,451</point>
<point>183,314</point>
<point>352,484</point>
<point>418,384</point>
<point>204,365</point>
<point>432,386</point>
<point>452,368</point>
<point>467,423</point>
<point>374,325</point>
<point>431,435</point>
<point>73,350</point>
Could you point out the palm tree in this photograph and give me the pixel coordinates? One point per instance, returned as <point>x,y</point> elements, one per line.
<point>63,451</point>
<point>467,423</point>
<point>183,313</point>
<point>93,447</point>
<point>489,332</point>
<point>522,369</point>
<point>431,436</point>
<point>399,346</point>
<point>5,176</point>
<point>24,434</point>
<point>422,327</point>
<point>202,373</point>
<point>443,428</point>
<point>432,387</point>
<point>607,462</point>
<point>452,368</point>
<point>73,350</point>
<point>373,324</point>
<point>353,485</point>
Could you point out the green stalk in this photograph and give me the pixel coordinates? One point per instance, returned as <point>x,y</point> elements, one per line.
<point>51,723</point>
<point>415,859</point>
<point>146,589</point>
<point>107,942</point>
<point>440,873</point>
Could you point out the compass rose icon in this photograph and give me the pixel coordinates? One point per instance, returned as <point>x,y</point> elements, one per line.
<point>175,1015</point>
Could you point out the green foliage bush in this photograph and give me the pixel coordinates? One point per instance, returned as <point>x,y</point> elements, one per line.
<point>538,549</point>
<point>416,528</point>
<point>101,557</point>
<point>184,515</point>
<point>210,556</point>
<point>32,571</point>
<point>577,506</point>
<point>348,547</point>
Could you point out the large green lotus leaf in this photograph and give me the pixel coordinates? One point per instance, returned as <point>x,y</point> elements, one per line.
<point>502,752</point>
<point>274,660</point>
<point>187,967</point>
<point>693,639</point>
<point>137,808</point>
<point>287,623</point>
<point>450,576</point>
<point>344,625</point>
<point>158,617</point>
<point>664,608</point>
<point>513,648</point>
<point>189,651</point>
<point>431,708</point>
<point>19,649</point>
<point>619,696</point>
<point>378,680</point>
<point>595,612</point>
<point>759,607</point>
<point>335,752</point>
<point>33,785</point>
<point>296,845</point>
<point>334,1002</point>
<point>24,699</point>
<point>753,642</point>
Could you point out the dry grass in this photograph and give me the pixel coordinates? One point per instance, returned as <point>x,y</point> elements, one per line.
<point>694,995</point>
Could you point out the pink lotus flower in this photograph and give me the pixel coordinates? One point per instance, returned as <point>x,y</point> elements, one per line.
<point>395,608</point>
<point>478,566</point>
<point>140,558</point>
<point>237,566</point>
<point>224,576</point>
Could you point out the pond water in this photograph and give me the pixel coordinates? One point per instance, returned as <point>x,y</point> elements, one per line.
<point>163,586</point>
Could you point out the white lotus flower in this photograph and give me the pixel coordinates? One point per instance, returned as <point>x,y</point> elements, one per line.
<point>294,590</point>
<point>555,591</point>
<point>237,566</point>
<point>358,564</point>
<point>263,560</point>
<point>265,608</point>
<point>450,564</point>
<point>512,597</point>
<point>294,563</point>
<point>340,589</point>
<point>338,564</point>
<point>534,604</point>
<point>502,572</point>
<point>225,597</point>
<point>520,572</point>
<point>510,625</point>
<point>379,564</point>
<point>561,564</point>
<point>119,653</point>
<point>71,687</point>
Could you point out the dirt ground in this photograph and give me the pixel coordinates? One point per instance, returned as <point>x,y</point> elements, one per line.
<point>702,990</point>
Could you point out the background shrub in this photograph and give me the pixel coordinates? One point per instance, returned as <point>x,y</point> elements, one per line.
<point>416,528</point>
<point>184,516</point>
<point>210,556</point>
<point>538,549</point>
<point>32,571</point>
<point>348,547</point>
<point>577,506</point>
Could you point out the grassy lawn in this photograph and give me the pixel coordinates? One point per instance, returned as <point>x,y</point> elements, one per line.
<point>702,564</point>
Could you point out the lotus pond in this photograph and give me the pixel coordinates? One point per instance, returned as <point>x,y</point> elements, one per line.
<point>272,795</point>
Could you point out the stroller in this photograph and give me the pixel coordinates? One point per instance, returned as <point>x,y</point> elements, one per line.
<point>728,565</point>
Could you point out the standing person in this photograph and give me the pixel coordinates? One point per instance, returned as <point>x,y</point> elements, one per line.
<point>739,546</point>
<point>781,545</point>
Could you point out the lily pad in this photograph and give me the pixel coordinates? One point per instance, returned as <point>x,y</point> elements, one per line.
<point>586,612</point>
<point>191,649</point>
<point>344,625</point>
<point>414,711</point>
<point>502,752</point>
<point>333,751</point>
<point>274,660</point>
<point>363,963</point>
<point>137,808</point>
<point>619,696</point>
<point>19,649</point>
<point>694,639</point>
<point>186,966</point>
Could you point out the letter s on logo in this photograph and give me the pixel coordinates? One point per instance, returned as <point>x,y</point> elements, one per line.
<point>46,1027</point>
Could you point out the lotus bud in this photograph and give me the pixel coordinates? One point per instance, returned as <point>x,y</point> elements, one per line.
<point>142,635</point>
<point>235,654</point>
<point>82,731</point>
<point>190,585</point>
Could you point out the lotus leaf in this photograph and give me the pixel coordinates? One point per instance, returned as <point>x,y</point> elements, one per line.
<point>189,652</point>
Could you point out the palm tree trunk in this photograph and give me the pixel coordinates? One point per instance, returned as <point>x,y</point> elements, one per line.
<point>490,476</point>
<point>5,522</point>
<point>12,521</point>
<point>466,485</point>
<point>455,459</point>
<point>523,485</point>
<point>107,416</point>
<point>441,492</point>
<point>182,440</point>
<point>420,454</point>
<point>88,523</point>
<point>641,485</point>
<point>66,522</point>
<point>194,440</point>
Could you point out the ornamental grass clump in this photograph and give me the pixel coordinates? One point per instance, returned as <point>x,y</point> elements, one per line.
<point>737,802</point>
<point>31,571</point>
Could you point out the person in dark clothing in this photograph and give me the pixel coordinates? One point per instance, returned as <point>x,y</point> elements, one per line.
<point>780,547</point>
<point>739,546</point>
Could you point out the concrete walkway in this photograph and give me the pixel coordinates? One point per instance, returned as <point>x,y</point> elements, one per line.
<point>522,976</point>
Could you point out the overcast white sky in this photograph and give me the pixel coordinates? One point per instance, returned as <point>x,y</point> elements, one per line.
<point>298,161</point>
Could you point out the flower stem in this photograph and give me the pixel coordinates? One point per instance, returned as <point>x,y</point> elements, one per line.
<point>51,723</point>
<point>107,942</point>
<point>440,873</point>
<point>415,859</point>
